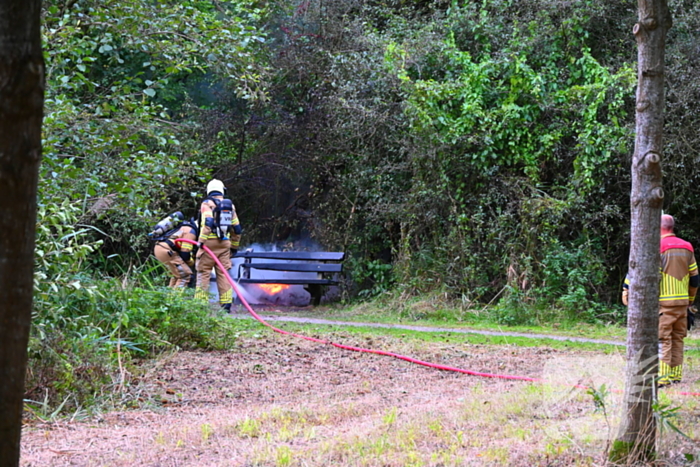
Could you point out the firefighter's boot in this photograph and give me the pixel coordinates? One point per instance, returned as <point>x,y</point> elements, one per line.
<point>676,375</point>
<point>664,374</point>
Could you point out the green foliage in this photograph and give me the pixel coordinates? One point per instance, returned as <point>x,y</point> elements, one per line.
<point>62,248</point>
<point>629,453</point>
<point>472,147</point>
<point>665,415</point>
<point>519,119</point>
<point>82,335</point>
<point>376,273</point>
<point>125,81</point>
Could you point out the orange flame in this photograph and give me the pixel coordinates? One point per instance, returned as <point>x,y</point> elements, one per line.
<point>273,289</point>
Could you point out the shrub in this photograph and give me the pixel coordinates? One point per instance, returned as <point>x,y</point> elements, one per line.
<point>84,341</point>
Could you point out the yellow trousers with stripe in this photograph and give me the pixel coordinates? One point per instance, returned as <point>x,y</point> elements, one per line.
<point>179,270</point>
<point>204,266</point>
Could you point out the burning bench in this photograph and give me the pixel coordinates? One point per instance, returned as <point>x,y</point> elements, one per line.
<point>313,270</point>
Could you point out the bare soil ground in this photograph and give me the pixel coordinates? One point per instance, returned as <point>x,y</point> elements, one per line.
<point>280,401</point>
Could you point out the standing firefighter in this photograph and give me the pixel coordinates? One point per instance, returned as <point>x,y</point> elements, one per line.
<point>679,284</point>
<point>177,257</point>
<point>221,233</point>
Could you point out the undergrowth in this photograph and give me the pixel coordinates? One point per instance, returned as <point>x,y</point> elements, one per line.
<point>86,342</point>
<point>510,309</point>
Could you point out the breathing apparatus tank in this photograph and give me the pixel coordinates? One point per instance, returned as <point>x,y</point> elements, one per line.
<point>167,224</point>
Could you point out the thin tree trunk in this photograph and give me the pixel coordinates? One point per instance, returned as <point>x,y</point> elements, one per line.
<point>637,436</point>
<point>21,113</point>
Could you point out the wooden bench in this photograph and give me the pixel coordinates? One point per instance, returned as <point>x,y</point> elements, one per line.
<point>322,264</point>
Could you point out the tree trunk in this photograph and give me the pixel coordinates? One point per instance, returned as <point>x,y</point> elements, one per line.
<point>21,113</point>
<point>637,436</point>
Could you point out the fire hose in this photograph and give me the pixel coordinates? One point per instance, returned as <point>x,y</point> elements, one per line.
<point>372,351</point>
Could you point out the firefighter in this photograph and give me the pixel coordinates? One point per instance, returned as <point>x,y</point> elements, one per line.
<point>220,231</point>
<point>679,284</point>
<point>177,257</point>
<point>677,289</point>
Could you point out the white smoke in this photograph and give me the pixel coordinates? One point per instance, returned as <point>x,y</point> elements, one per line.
<point>294,295</point>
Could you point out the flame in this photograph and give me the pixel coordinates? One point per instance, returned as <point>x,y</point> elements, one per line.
<point>273,289</point>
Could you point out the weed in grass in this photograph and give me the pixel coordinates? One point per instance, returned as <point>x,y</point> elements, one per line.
<point>412,459</point>
<point>365,387</point>
<point>516,432</point>
<point>207,431</point>
<point>404,438</point>
<point>249,428</point>
<point>284,456</point>
<point>159,438</point>
<point>666,415</point>
<point>459,438</point>
<point>556,448</point>
<point>569,407</point>
<point>287,432</point>
<point>377,446</point>
<point>390,417</point>
<point>498,455</point>
<point>310,434</point>
<point>436,427</point>
<point>521,403</point>
<point>47,414</point>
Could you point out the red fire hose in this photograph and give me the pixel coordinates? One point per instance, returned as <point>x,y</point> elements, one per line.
<point>372,351</point>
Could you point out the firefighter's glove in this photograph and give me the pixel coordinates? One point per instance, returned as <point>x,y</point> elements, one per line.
<point>185,255</point>
<point>691,317</point>
<point>233,252</point>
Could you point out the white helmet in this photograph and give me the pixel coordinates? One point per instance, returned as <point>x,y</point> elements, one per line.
<point>216,185</point>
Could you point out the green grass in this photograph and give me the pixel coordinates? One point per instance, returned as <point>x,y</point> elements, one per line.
<point>438,313</point>
<point>376,312</point>
<point>335,332</point>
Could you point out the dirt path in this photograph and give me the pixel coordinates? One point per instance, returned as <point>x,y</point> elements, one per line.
<point>296,319</point>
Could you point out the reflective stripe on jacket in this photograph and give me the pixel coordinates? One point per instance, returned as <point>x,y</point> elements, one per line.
<point>677,266</point>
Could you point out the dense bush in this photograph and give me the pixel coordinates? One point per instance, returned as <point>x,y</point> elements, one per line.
<point>86,338</point>
<point>473,149</point>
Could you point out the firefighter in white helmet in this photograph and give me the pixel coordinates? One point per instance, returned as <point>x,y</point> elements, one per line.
<point>220,231</point>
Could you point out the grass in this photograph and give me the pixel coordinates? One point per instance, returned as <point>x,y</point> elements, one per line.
<point>439,313</point>
<point>484,422</point>
<point>519,424</point>
<point>445,314</point>
<point>575,428</point>
<point>337,332</point>
<point>410,438</point>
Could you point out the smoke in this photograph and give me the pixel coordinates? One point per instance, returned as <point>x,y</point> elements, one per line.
<point>291,295</point>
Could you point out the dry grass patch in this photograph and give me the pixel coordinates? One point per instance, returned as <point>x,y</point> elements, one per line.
<point>278,401</point>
